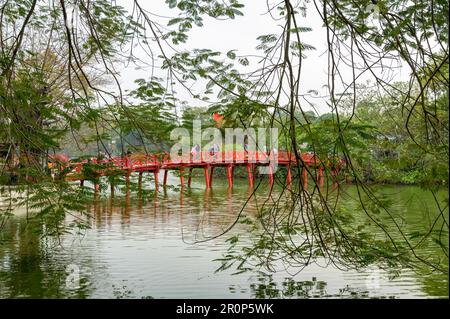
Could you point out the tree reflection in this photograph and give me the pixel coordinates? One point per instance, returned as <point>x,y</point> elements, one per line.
<point>31,267</point>
<point>35,266</point>
<point>267,288</point>
<point>347,239</point>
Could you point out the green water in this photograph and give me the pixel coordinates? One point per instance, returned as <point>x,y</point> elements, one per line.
<point>151,249</point>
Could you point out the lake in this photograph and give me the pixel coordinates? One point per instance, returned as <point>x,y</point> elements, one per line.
<point>163,247</point>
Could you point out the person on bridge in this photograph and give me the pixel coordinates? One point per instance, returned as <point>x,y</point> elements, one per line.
<point>273,152</point>
<point>214,150</point>
<point>195,151</point>
<point>246,145</point>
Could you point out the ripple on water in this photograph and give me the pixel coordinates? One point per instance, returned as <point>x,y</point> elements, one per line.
<point>158,250</point>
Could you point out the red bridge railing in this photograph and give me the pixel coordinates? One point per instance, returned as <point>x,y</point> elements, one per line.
<point>223,157</point>
<point>153,163</point>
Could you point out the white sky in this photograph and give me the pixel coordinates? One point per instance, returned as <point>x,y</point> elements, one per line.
<point>241,34</point>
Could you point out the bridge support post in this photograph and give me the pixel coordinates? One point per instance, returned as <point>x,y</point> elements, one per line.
<point>211,177</point>
<point>181,176</point>
<point>165,177</point>
<point>320,176</point>
<point>140,180</point>
<point>251,180</point>
<point>334,177</point>
<point>190,177</point>
<point>156,175</point>
<point>271,180</point>
<point>127,177</point>
<point>81,182</point>
<point>230,175</point>
<point>289,176</point>
<point>207,179</point>
<point>304,177</point>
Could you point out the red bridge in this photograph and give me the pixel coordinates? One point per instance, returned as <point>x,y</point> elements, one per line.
<point>205,160</point>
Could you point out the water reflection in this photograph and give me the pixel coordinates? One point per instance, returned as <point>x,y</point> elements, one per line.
<point>268,288</point>
<point>30,268</point>
<point>147,244</point>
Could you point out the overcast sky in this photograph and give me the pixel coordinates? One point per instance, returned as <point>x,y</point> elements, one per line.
<point>241,34</point>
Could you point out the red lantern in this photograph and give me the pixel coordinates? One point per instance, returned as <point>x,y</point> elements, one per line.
<point>217,117</point>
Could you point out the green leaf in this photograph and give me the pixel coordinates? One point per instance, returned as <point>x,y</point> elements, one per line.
<point>231,54</point>
<point>172,3</point>
<point>175,21</point>
<point>244,61</point>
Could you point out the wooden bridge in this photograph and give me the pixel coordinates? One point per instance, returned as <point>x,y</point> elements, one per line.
<point>203,160</point>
